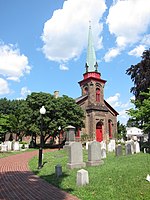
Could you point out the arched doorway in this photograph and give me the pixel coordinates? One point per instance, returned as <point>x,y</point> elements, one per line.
<point>99,132</point>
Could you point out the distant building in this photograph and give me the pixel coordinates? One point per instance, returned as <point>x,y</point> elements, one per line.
<point>133,132</point>
<point>100,117</point>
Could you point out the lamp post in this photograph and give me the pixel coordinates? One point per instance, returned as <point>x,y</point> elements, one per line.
<point>42,112</point>
<point>59,128</point>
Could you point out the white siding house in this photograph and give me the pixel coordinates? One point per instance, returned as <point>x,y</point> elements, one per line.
<point>133,131</point>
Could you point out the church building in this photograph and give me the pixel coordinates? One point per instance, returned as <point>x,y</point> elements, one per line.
<point>100,117</point>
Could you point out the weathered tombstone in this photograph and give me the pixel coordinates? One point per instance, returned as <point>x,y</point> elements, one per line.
<point>136,147</point>
<point>118,150</point>
<point>94,154</point>
<point>103,145</point>
<point>103,153</point>
<point>75,155</point>
<point>9,144</point>
<point>4,147</point>
<point>16,146</point>
<point>82,177</point>
<point>58,170</point>
<point>128,149</point>
<point>113,144</point>
<point>70,136</point>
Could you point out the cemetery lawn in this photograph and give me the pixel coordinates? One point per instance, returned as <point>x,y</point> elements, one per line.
<point>119,178</point>
<point>10,153</point>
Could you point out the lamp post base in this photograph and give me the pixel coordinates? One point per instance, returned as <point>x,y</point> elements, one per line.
<point>40,158</point>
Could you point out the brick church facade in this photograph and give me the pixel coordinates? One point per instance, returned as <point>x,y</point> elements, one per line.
<point>100,118</point>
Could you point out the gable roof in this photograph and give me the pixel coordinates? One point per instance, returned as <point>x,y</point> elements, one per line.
<point>111,108</point>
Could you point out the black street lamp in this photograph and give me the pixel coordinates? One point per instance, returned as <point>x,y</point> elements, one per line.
<point>42,112</point>
<point>59,128</point>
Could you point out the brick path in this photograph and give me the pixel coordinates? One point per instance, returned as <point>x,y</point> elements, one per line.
<point>17,182</point>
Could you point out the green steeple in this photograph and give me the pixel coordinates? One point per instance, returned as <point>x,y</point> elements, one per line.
<point>91,64</point>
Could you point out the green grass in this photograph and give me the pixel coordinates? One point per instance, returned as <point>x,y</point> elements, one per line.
<point>119,178</point>
<point>10,153</point>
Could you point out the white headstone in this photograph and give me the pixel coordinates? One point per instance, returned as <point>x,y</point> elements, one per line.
<point>16,146</point>
<point>103,153</point>
<point>87,143</point>
<point>9,144</point>
<point>82,177</point>
<point>4,147</point>
<point>137,147</point>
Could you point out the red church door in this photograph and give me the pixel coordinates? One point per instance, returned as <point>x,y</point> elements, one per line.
<point>99,132</point>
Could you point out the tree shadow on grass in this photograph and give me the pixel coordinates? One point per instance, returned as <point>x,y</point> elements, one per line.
<point>54,180</point>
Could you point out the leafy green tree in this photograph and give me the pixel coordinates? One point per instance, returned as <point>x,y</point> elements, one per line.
<point>61,111</point>
<point>4,126</point>
<point>121,130</point>
<point>140,75</point>
<point>141,113</point>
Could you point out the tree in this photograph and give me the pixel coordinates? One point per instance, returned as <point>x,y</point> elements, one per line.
<point>140,75</point>
<point>61,111</point>
<point>4,126</point>
<point>121,130</point>
<point>141,113</point>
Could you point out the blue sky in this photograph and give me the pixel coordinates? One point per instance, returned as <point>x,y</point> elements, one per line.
<point>43,46</point>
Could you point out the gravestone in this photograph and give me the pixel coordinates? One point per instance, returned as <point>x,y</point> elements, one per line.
<point>70,135</point>
<point>136,147</point>
<point>9,144</point>
<point>94,154</point>
<point>118,150</point>
<point>4,147</point>
<point>82,177</point>
<point>75,155</point>
<point>128,149</point>
<point>58,170</point>
<point>103,153</point>
<point>103,145</point>
<point>16,146</point>
<point>87,143</point>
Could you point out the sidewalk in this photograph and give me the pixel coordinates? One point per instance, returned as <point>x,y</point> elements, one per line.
<point>17,182</point>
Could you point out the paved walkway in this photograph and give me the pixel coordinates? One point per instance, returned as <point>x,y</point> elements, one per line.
<point>17,182</point>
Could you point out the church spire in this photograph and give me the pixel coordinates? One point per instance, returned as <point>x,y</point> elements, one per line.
<point>91,64</point>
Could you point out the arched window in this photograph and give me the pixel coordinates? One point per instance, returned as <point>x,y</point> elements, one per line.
<point>110,128</point>
<point>86,90</point>
<point>97,94</point>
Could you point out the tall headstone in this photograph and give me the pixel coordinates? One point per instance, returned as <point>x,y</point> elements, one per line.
<point>82,177</point>
<point>94,154</point>
<point>136,147</point>
<point>16,146</point>
<point>70,135</point>
<point>75,155</point>
<point>9,144</point>
<point>118,150</point>
<point>128,149</point>
<point>103,153</point>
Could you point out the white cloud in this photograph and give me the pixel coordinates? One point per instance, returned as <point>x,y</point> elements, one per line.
<point>128,21</point>
<point>65,34</point>
<point>112,53</point>
<point>137,51</point>
<point>63,67</point>
<point>25,91</point>
<point>4,88</point>
<point>146,40</point>
<point>114,100</point>
<point>13,65</point>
